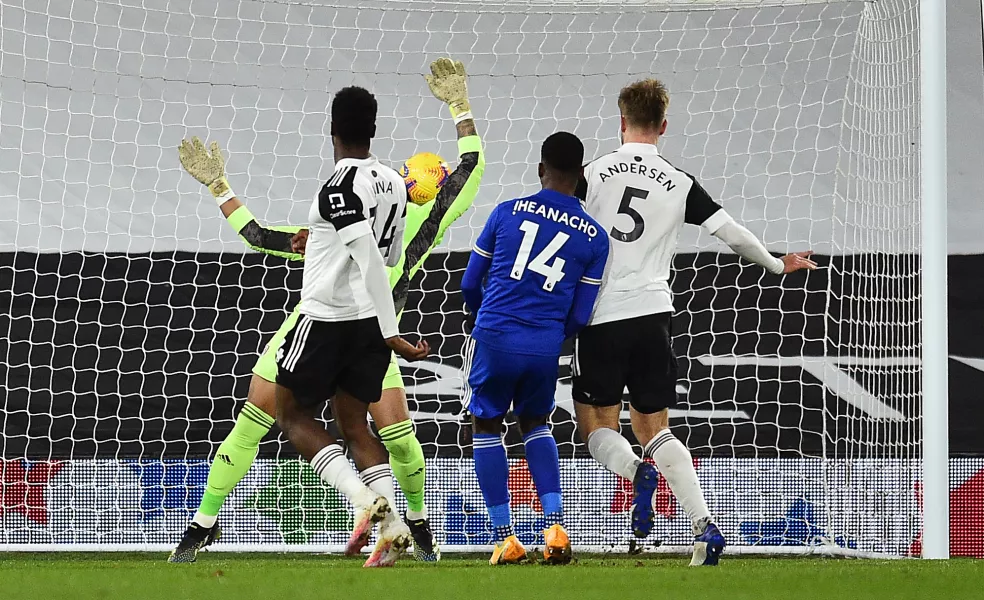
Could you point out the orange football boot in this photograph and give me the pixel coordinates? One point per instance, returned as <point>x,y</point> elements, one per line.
<point>557,545</point>
<point>509,552</point>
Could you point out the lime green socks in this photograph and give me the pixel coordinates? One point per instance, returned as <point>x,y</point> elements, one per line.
<point>238,450</point>
<point>233,460</point>
<point>407,462</point>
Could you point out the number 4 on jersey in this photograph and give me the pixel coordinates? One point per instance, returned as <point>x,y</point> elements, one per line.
<point>389,231</point>
<point>552,272</point>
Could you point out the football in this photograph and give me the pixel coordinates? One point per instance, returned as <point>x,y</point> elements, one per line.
<point>424,174</point>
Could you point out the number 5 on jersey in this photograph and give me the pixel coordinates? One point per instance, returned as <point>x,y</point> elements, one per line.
<point>638,225</point>
<point>553,272</point>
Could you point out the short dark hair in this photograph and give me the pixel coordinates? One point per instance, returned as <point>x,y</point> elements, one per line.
<point>644,103</point>
<point>563,152</point>
<point>353,115</point>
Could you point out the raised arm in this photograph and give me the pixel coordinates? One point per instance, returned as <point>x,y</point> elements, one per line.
<point>455,197</point>
<point>458,193</point>
<point>447,83</point>
<point>702,210</point>
<point>209,169</point>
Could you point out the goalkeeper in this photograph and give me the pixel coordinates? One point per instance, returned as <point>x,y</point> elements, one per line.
<point>426,224</point>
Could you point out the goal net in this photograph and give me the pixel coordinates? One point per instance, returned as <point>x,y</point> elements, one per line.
<point>133,314</point>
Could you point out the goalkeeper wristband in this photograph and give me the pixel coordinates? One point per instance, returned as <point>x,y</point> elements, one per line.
<point>221,191</point>
<point>460,111</point>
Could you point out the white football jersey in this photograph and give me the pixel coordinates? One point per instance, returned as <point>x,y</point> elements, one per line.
<point>362,197</point>
<point>642,201</point>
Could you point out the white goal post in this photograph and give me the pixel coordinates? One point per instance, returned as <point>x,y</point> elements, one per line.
<point>815,405</point>
<point>935,388</point>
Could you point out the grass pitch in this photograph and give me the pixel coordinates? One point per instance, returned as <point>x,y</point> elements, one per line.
<point>219,576</point>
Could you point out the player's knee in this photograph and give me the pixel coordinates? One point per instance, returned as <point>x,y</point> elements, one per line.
<point>647,425</point>
<point>263,395</point>
<point>585,430</point>
<point>661,421</point>
<point>285,419</point>
<point>355,432</point>
<point>528,424</point>
<point>655,415</point>
<point>591,422</point>
<point>287,412</point>
<point>487,426</point>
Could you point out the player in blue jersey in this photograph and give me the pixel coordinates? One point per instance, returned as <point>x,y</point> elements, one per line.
<point>542,259</point>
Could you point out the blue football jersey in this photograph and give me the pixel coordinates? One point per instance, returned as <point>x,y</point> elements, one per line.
<point>541,247</point>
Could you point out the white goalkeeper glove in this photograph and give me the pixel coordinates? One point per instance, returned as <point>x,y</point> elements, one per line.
<point>447,83</point>
<point>207,167</point>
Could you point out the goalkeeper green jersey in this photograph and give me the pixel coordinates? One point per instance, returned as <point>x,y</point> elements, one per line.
<point>426,224</point>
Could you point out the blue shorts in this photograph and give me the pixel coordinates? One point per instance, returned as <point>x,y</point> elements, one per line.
<point>499,379</point>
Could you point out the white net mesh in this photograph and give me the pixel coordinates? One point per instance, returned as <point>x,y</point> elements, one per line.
<point>136,313</point>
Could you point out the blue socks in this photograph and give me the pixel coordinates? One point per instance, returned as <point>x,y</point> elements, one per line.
<point>542,457</point>
<point>492,470</point>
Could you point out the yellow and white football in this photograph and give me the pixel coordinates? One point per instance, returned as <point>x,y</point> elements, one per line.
<point>424,174</point>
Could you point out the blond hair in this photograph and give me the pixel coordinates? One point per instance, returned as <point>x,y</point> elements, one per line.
<point>644,103</point>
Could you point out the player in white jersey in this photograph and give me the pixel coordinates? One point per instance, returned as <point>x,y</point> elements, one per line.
<point>348,323</point>
<point>643,201</point>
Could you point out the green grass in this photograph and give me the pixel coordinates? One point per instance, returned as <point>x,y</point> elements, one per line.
<point>219,576</point>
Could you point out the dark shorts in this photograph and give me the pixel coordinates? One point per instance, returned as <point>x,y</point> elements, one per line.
<point>634,353</point>
<point>318,357</point>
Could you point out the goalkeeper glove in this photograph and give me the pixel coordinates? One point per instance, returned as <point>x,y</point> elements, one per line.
<point>207,167</point>
<point>447,83</point>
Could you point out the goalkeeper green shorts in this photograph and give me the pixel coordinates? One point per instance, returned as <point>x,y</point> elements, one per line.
<point>393,379</point>
<point>266,365</point>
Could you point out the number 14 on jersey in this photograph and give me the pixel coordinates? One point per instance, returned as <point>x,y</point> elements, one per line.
<point>553,272</point>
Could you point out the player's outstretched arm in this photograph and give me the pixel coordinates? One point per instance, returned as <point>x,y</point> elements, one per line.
<point>746,245</point>
<point>702,210</point>
<point>448,84</point>
<point>208,167</point>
